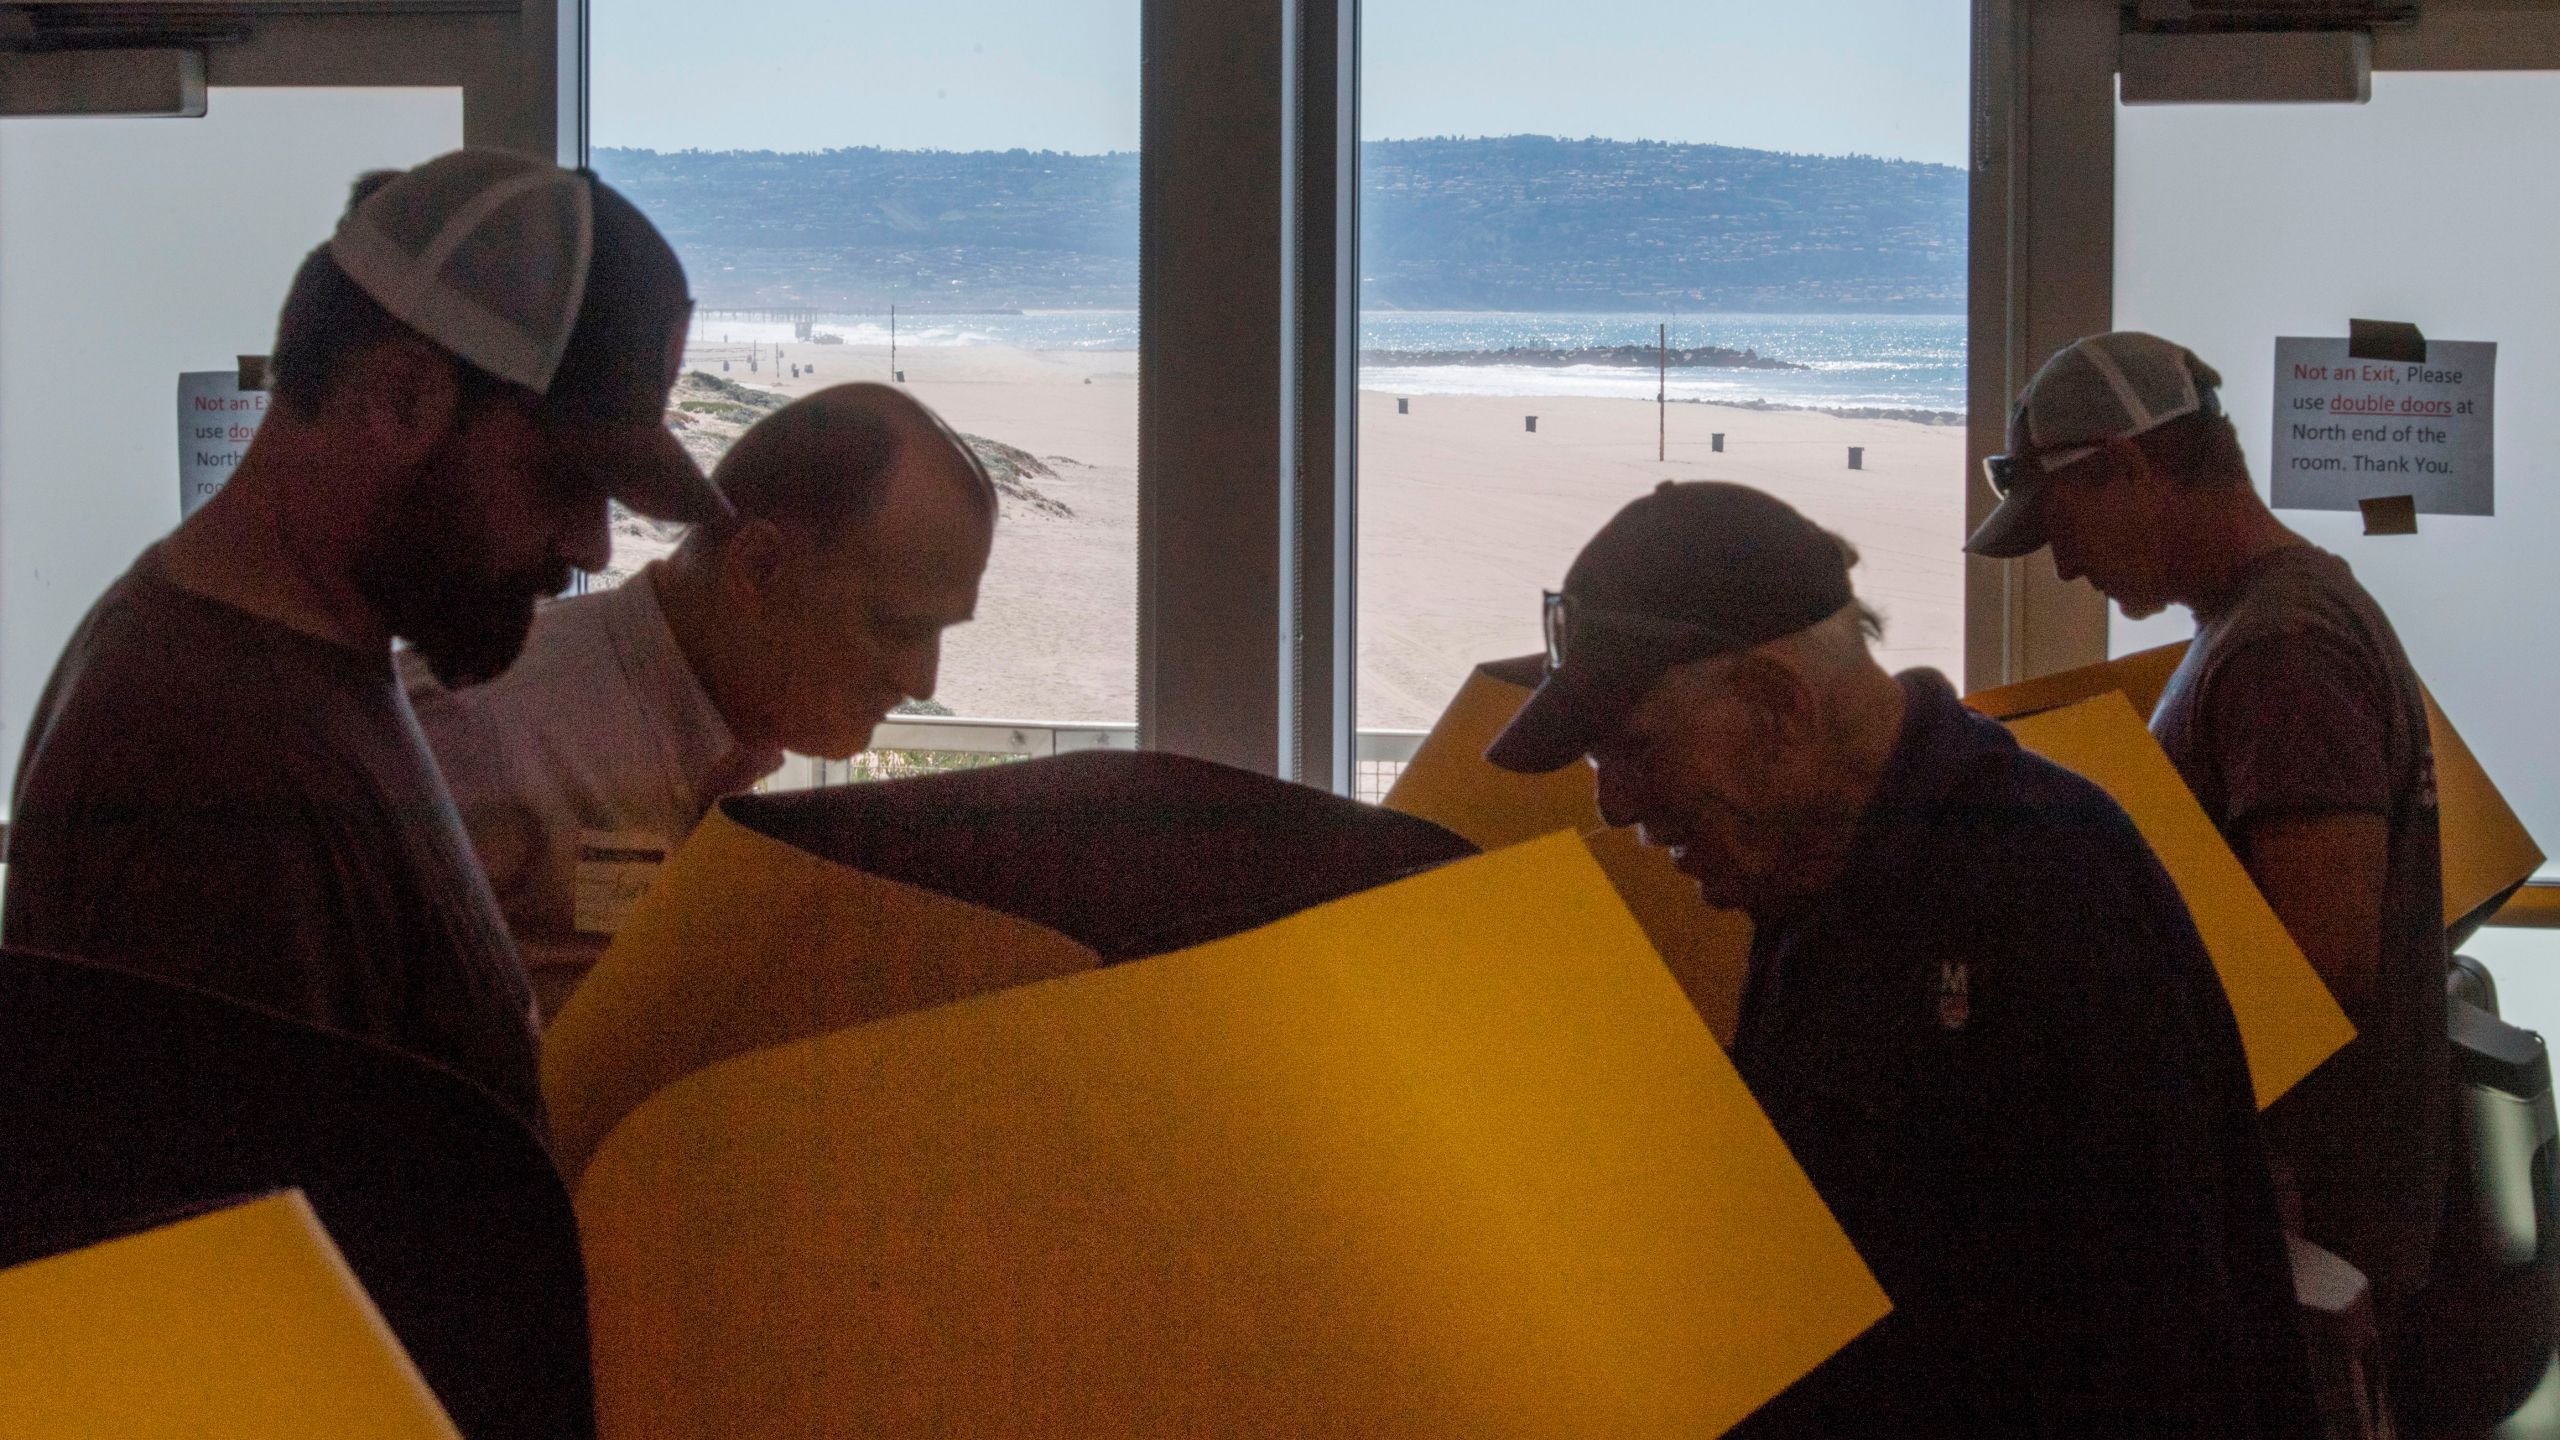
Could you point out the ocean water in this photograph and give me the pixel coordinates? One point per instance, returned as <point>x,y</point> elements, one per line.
<point>1914,362</point>
<point>1908,362</point>
<point>1023,330</point>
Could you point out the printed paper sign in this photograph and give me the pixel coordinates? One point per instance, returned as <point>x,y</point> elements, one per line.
<point>2348,430</point>
<point>216,419</point>
<point>615,868</point>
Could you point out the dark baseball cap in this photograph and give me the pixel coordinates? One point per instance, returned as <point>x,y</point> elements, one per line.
<point>550,280</point>
<point>1690,571</point>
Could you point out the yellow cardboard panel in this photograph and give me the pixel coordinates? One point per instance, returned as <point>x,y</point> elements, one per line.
<point>1707,950</point>
<point>2486,848</point>
<point>2141,676</point>
<point>746,942</point>
<point>1451,1157</point>
<point>2288,1021</point>
<point>1449,783</point>
<point>240,1325</point>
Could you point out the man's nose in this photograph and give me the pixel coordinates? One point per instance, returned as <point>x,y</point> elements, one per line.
<point>919,669</point>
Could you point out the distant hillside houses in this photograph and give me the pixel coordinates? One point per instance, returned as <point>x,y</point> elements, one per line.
<point>1511,223</point>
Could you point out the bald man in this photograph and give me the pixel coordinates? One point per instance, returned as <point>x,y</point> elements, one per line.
<point>862,527</point>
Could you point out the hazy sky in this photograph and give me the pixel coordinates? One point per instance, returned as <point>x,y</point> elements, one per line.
<point>1886,77</point>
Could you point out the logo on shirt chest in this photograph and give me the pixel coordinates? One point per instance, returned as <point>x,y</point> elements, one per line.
<point>1955,995</point>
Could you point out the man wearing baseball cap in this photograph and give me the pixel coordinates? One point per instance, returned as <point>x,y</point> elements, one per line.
<point>222,783</point>
<point>2298,722</point>
<point>1977,1010</point>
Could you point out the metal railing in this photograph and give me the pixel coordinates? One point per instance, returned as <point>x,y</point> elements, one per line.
<point>912,744</point>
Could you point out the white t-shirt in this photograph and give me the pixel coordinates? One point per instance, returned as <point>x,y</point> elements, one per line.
<point>598,739</point>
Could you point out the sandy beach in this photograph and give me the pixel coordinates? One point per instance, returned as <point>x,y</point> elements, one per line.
<point>1464,517</point>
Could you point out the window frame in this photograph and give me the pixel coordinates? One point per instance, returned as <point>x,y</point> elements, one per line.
<point>1247,606</point>
<point>1244,606</point>
<point>504,55</point>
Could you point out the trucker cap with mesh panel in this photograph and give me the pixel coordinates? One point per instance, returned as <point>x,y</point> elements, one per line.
<point>551,281</point>
<point>2098,388</point>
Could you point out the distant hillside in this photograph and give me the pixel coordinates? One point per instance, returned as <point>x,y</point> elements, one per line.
<point>1531,223</point>
<point>1518,223</point>
<point>862,229</point>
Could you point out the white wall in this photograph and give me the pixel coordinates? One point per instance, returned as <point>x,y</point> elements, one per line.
<point>132,250</point>
<point>2434,204</point>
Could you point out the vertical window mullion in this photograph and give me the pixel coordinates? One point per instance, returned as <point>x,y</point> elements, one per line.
<point>1211,484</point>
<point>1321,612</point>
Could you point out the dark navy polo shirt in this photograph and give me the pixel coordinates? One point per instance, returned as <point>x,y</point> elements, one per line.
<point>2000,1051</point>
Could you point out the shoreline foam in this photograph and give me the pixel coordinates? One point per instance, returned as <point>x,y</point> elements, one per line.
<point>1631,357</point>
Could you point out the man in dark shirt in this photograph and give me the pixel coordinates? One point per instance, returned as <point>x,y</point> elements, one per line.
<point>222,782</point>
<point>1977,1011</point>
<point>2297,721</point>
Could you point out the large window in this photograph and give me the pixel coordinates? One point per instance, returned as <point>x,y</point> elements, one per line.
<point>944,199</point>
<point>1658,240</point>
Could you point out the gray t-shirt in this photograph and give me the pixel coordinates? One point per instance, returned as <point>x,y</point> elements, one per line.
<point>223,800</point>
<point>2297,699</point>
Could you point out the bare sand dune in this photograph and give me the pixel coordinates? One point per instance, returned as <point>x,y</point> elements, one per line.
<point>1464,518</point>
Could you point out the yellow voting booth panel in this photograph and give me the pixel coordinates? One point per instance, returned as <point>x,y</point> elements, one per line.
<point>730,937</point>
<point>1451,1157</point>
<point>2142,676</point>
<point>2487,851</point>
<point>1448,783</point>
<point>2288,1021</point>
<point>239,1325</point>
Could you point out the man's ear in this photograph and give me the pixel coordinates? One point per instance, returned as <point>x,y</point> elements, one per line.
<point>404,396</point>
<point>2132,462</point>
<point>755,563</point>
<point>1780,702</point>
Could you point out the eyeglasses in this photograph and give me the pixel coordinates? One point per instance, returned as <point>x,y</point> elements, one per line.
<point>1575,629</point>
<point>2002,470</point>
